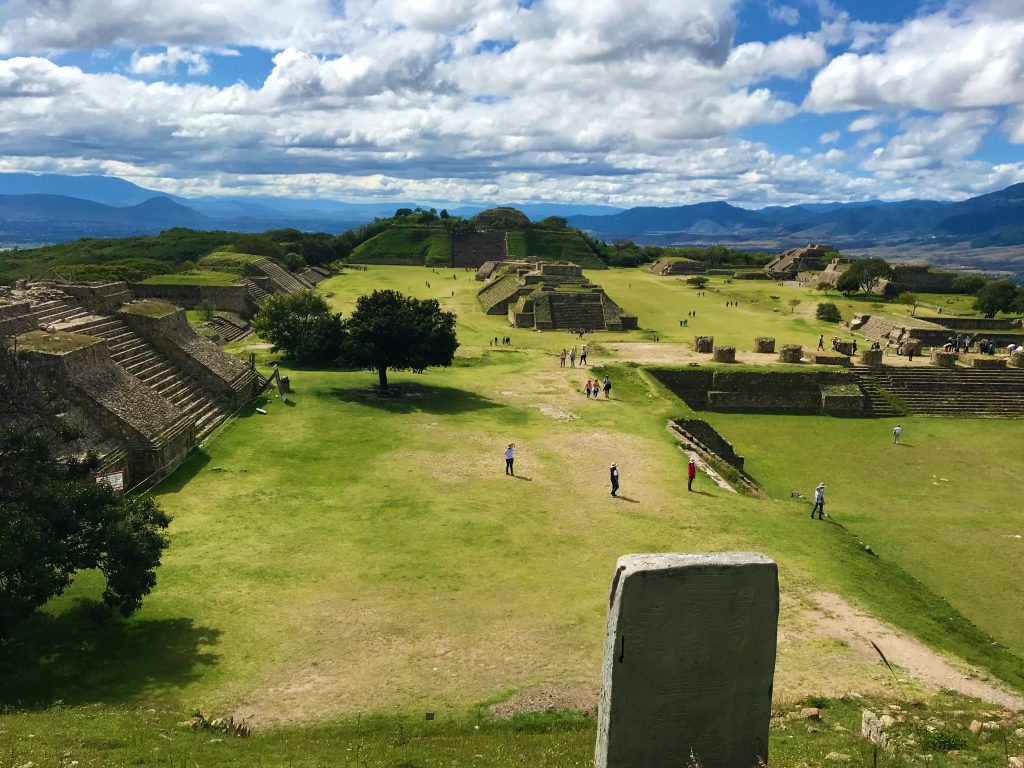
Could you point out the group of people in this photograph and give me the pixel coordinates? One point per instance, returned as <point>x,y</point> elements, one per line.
<point>579,331</point>
<point>836,341</point>
<point>593,388</point>
<point>732,303</point>
<point>506,341</point>
<point>571,356</point>
<point>908,349</point>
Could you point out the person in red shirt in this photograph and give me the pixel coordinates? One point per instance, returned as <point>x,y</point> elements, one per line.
<point>691,472</point>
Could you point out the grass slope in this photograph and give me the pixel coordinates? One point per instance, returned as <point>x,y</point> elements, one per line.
<point>413,246</point>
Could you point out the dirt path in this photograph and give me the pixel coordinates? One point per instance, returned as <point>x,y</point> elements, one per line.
<point>834,617</point>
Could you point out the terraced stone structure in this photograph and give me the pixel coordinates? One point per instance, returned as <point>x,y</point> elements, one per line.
<point>790,263</point>
<point>672,267</point>
<point>552,297</point>
<point>151,387</point>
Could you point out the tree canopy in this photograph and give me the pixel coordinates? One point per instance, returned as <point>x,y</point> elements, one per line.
<point>302,326</point>
<point>864,275</point>
<point>996,296</point>
<point>389,330</point>
<point>54,521</point>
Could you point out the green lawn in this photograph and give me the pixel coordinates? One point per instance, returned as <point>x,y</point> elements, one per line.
<point>195,277</point>
<point>346,556</point>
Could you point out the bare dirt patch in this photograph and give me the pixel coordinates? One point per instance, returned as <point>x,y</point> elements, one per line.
<point>547,698</point>
<point>834,617</point>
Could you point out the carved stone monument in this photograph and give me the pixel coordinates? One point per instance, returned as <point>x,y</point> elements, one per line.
<point>689,660</point>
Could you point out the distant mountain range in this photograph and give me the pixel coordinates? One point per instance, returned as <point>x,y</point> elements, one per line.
<point>55,208</point>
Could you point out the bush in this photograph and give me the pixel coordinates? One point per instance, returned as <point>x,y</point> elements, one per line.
<point>697,281</point>
<point>206,309</point>
<point>828,312</point>
<point>968,284</point>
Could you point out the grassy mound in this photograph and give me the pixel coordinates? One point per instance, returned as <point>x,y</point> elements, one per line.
<point>413,246</point>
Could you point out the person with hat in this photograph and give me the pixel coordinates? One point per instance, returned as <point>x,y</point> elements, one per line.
<point>691,472</point>
<point>614,472</point>
<point>510,457</point>
<point>819,501</point>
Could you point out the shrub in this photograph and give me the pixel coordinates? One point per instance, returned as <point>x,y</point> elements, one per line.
<point>697,281</point>
<point>302,326</point>
<point>828,312</point>
<point>205,309</point>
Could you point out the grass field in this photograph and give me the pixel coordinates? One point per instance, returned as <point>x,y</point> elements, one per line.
<point>195,277</point>
<point>345,563</point>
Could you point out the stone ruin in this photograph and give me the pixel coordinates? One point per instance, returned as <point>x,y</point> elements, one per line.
<point>790,263</point>
<point>724,355</point>
<point>147,387</point>
<point>704,344</point>
<point>550,296</point>
<point>765,345</point>
<point>672,267</point>
<point>689,661</point>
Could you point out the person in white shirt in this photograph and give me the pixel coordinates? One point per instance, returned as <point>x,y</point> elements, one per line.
<point>510,457</point>
<point>896,432</point>
<point>819,501</point>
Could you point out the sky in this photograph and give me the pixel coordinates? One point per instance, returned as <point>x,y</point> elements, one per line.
<point>617,102</point>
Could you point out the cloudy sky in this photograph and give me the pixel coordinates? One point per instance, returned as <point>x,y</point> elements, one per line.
<point>624,102</point>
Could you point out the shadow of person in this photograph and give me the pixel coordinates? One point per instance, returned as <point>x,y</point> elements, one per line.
<point>523,477</point>
<point>627,499</point>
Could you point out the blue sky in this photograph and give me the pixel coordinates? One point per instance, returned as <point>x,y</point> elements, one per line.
<point>650,102</point>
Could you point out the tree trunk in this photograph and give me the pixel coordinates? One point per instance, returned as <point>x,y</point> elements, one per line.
<point>382,372</point>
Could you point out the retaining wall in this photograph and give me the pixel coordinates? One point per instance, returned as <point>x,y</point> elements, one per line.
<point>228,298</point>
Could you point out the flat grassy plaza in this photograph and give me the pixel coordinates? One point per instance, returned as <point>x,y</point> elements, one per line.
<point>347,563</point>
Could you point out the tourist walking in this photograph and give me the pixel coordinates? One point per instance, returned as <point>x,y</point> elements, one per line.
<point>510,458</point>
<point>572,357</point>
<point>691,472</point>
<point>589,385</point>
<point>896,432</point>
<point>561,358</point>
<point>819,501</point>
<point>607,388</point>
<point>821,342</point>
<point>583,355</point>
<point>614,473</point>
<point>910,354</point>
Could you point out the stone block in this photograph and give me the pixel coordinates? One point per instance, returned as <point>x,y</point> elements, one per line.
<point>704,344</point>
<point>989,363</point>
<point>791,353</point>
<point>764,344</point>
<point>872,357</point>
<point>689,660</point>
<point>724,354</point>
<point>944,359</point>
<point>1017,359</point>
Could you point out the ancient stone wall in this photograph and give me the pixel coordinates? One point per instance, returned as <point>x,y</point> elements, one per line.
<point>228,298</point>
<point>842,400</point>
<point>100,297</point>
<point>702,432</point>
<point>745,391</point>
<point>16,319</point>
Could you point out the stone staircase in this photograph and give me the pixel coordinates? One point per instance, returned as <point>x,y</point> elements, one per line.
<point>256,291</point>
<point>577,312</point>
<point>228,329</point>
<point>288,282</point>
<point>57,312</point>
<point>496,295</point>
<point>875,403</point>
<point>928,390</point>
<point>140,359</point>
<point>473,248</point>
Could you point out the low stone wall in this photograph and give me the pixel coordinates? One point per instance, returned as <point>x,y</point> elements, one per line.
<point>791,353</point>
<point>105,297</point>
<point>228,378</point>
<point>724,354</point>
<point>829,358</point>
<point>872,357</point>
<point>944,359</point>
<point>703,433</point>
<point>765,391</point>
<point>705,344</point>
<point>228,298</point>
<point>976,323</point>
<point>764,345</point>
<point>842,400</point>
<point>16,319</point>
<point>989,363</point>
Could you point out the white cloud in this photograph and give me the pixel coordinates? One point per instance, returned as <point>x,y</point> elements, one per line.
<point>947,60</point>
<point>829,138</point>
<point>866,123</point>
<point>167,62</point>
<point>785,14</point>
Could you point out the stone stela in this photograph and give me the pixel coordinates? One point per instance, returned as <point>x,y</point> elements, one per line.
<point>689,661</point>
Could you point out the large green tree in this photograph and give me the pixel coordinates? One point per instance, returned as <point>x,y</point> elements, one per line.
<point>865,274</point>
<point>389,330</point>
<point>302,326</point>
<point>54,520</point>
<point>995,296</point>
